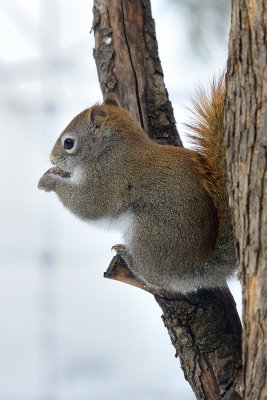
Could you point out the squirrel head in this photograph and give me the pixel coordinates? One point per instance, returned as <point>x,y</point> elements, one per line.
<point>91,133</point>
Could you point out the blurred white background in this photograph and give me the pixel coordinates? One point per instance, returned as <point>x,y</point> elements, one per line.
<point>66,332</point>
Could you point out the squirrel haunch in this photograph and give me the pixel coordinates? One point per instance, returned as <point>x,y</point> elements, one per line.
<point>171,202</point>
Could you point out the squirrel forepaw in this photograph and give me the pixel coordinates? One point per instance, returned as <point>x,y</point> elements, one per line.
<point>47,182</point>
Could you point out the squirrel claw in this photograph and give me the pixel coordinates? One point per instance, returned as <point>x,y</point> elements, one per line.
<point>120,249</point>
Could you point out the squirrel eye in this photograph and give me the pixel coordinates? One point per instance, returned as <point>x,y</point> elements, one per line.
<point>68,144</point>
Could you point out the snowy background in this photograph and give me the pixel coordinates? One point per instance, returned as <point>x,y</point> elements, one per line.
<point>65,332</point>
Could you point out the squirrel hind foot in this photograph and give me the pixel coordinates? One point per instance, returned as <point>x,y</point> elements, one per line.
<point>122,251</point>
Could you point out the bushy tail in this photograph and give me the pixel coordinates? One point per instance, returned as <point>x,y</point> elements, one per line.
<point>207,131</point>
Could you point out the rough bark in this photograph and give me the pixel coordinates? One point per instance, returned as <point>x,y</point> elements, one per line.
<point>128,64</point>
<point>204,328</point>
<point>246,141</point>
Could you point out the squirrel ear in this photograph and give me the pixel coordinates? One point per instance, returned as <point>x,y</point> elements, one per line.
<point>111,100</point>
<point>98,116</point>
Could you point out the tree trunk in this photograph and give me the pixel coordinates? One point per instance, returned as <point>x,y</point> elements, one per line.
<point>128,64</point>
<point>246,141</point>
<point>204,327</point>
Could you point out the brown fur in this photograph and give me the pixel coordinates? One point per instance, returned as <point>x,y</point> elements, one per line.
<point>207,132</point>
<point>173,201</point>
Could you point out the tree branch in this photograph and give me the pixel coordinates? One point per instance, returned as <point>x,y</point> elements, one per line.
<point>126,55</point>
<point>204,327</point>
<point>119,271</point>
<point>205,330</point>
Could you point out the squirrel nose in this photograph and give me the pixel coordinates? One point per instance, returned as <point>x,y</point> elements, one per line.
<point>52,159</point>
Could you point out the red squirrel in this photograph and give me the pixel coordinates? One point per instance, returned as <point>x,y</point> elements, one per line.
<point>172,202</point>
